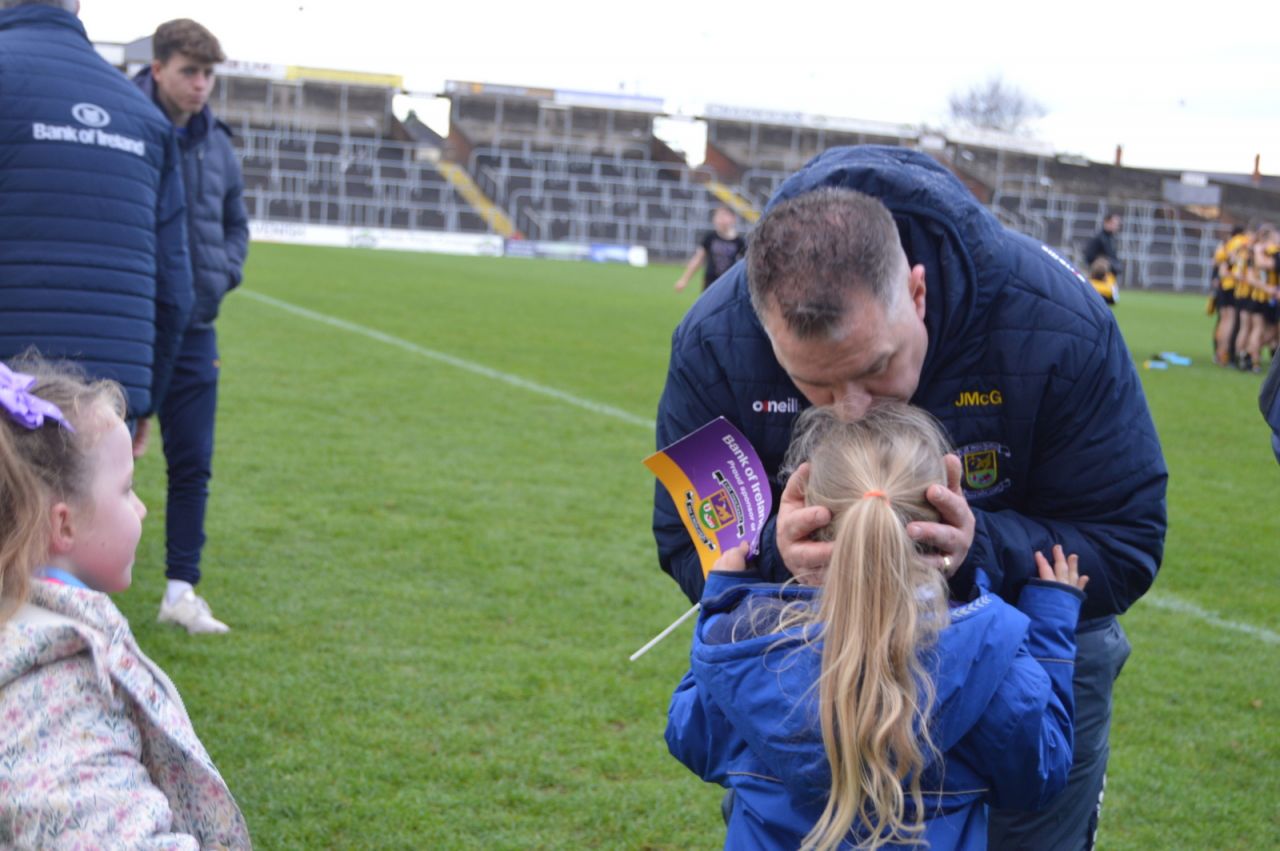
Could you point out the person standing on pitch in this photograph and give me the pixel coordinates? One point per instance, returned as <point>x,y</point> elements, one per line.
<point>1103,244</point>
<point>179,81</point>
<point>717,251</point>
<point>875,274</point>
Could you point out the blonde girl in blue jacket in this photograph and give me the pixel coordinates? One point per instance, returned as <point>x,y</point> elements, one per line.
<point>872,712</point>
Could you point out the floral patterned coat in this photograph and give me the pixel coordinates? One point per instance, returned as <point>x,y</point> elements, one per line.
<point>96,749</point>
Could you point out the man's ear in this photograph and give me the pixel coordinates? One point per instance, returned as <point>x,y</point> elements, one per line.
<point>916,287</point>
<point>156,65</point>
<point>62,535</point>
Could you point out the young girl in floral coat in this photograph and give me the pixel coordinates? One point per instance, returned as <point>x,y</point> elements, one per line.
<point>96,749</point>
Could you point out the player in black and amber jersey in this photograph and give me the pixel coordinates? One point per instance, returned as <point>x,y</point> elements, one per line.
<point>1253,292</point>
<point>1224,297</point>
<point>1266,260</point>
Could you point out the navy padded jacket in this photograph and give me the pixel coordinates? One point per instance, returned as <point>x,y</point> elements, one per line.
<point>1026,368</point>
<point>216,221</point>
<point>93,238</point>
<point>1269,404</point>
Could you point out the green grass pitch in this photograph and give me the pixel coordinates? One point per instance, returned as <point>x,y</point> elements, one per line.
<point>435,576</point>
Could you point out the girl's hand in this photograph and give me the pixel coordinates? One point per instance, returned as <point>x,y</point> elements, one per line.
<point>1065,569</point>
<point>734,560</point>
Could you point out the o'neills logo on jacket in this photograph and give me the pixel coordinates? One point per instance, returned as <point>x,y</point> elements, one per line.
<point>775,406</point>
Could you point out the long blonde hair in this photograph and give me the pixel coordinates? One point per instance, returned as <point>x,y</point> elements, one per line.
<point>881,608</point>
<point>44,465</point>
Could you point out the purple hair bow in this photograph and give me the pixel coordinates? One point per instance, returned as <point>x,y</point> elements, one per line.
<point>29,411</point>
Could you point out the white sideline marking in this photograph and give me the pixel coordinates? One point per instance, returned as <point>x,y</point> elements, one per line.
<point>459,363</point>
<point>1170,603</point>
<point>1160,600</point>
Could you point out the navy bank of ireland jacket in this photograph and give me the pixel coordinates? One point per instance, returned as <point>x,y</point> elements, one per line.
<point>1025,368</point>
<point>93,237</point>
<point>745,715</point>
<point>216,221</point>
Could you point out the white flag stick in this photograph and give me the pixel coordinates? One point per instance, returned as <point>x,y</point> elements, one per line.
<point>643,650</point>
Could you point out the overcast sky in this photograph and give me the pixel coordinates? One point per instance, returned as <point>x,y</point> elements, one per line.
<point>1196,89</point>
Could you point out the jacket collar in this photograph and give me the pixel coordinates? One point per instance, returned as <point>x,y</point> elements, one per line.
<point>200,124</point>
<point>970,660</point>
<point>35,15</point>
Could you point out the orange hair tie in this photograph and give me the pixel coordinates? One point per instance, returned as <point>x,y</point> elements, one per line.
<point>877,495</point>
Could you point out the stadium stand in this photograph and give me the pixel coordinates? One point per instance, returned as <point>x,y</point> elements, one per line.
<point>593,198</point>
<point>757,149</point>
<point>738,138</point>
<point>324,146</point>
<point>579,167</point>
<point>1169,232</point>
<point>314,178</point>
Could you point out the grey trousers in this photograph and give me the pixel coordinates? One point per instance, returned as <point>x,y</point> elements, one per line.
<point>1071,821</point>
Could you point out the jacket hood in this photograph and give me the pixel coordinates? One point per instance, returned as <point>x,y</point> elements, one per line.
<point>941,224</point>
<point>201,123</point>
<point>745,678</point>
<point>80,616</point>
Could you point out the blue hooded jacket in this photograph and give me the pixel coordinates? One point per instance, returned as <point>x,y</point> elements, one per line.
<point>1025,367</point>
<point>93,239</point>
<point>745,716</point>
<point>217,224</point>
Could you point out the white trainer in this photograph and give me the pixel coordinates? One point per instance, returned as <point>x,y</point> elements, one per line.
<point>191,612</point>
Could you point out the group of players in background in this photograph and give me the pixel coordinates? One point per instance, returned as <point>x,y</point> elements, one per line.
<point>1245,288</point>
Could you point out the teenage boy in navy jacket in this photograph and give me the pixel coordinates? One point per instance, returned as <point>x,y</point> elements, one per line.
<point>179,81</point>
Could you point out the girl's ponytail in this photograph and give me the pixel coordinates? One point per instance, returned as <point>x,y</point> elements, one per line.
<point>881,607</point>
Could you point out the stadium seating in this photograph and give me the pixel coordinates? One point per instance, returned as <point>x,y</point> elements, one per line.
<point>304,176</point>
<point>590,197</point>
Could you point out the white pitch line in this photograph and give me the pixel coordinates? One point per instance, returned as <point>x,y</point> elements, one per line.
<point>1160,600</point>
<point>1170,603</point>
<point>458,363</point>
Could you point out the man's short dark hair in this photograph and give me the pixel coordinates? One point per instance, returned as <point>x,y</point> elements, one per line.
<point>807,255</point>
<point>188,37</point>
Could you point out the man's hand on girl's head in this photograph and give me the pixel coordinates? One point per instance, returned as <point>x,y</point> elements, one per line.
<point>949,540</point>
<point>803,556</point>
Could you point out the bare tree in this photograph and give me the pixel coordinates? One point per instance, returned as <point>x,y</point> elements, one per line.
<point>995,105</point>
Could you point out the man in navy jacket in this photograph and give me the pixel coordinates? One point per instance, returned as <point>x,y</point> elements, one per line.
<point>93,241</point>
<point>1269,403</point>
<point>179,81</point>
<point>934,302</point>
